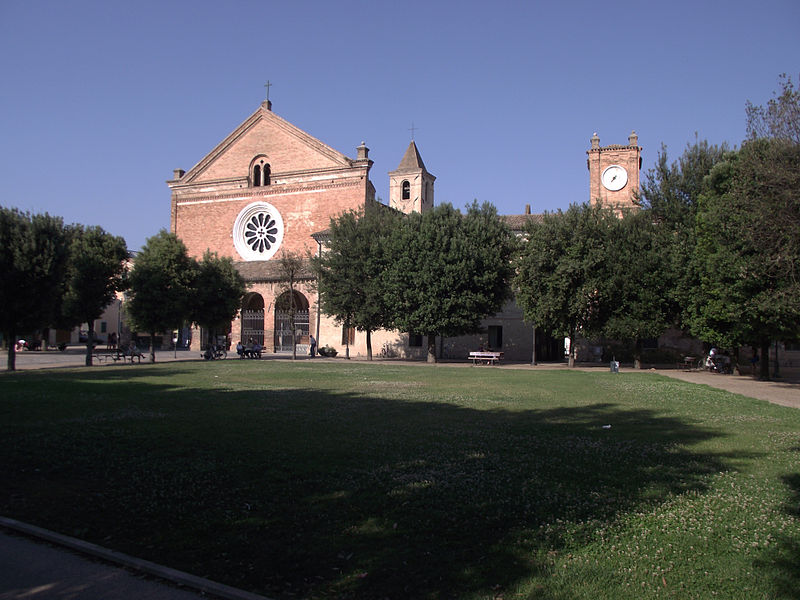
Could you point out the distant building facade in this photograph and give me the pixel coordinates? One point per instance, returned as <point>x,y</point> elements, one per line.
<point>270,188</point>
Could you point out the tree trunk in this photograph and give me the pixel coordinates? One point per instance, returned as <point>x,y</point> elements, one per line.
<point>571,359</point>
<point>12,350</point>
<point>637,354</point>
<point>764,374</point>
<point>735,368</point>
<point>776,372</point>
<point>89,342</point>
<point>432,348</point>
<point>369,344</point>
<point>291,318</point>
<point>152,346</point>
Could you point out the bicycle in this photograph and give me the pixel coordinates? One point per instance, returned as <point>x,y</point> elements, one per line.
<point>215,353</point>
<point>387,351</point>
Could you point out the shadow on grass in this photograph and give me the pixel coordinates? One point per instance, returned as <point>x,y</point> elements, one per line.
<point>784,559</point>
<point>306,493</point>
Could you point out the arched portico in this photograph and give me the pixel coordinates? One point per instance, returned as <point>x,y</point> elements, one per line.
<point>253,318</point>
<point>284,306</point>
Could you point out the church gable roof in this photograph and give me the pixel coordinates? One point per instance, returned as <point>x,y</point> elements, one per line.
<point>287,148</point>
<point>517,223</point>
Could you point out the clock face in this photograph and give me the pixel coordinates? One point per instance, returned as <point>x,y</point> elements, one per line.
<point>614,178</point>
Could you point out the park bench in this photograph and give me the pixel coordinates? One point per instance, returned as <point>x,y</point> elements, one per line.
<point>130,355</point>
<point>103,356</point>
<point>482,357</point>
<point>117,355</point>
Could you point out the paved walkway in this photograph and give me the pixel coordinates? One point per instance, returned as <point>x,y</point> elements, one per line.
<point>785,391</point>
<point>32,568</point>
<point>75,356</point>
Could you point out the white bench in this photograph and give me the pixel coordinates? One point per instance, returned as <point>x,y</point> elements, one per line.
<point>490,358</point>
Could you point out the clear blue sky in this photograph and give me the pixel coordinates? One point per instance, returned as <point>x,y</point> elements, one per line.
<point>100,101</point>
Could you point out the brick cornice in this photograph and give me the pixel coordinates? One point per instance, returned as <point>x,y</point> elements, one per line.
<point>265,192</point>
<point>613,147</point>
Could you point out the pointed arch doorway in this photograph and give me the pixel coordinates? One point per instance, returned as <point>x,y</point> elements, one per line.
<point>283,321</point>
<point>253,318</point>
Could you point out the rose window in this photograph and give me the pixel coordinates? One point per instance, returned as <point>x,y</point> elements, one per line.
<point>258,231</point>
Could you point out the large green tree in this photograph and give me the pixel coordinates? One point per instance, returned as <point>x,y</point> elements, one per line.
<point>218,291</point>
<point>670,196</point>
<point>350,271</point>
<point>561,272</point>
<point>448,271</point>
<point>637,279</point>
<point>33,260</point>
<point>97,264</point>
<point>748,250</point>
<point>161,286</point>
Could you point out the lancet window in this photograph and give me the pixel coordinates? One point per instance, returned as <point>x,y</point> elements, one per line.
<point>260,172</point>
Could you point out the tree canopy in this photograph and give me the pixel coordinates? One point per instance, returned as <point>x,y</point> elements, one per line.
<point>161,286</point>
<point>217,293</point>
<point>33,259</point>
<point>670,191</point>
<point>780,118</point>
<point>351,271</point>
<point>748,250</point>
<point>97,264</point>
<point>670,196</point>
<point>561,270</point>
<point>448,271</point>
<point>591,271</point>
<point>638,276</point>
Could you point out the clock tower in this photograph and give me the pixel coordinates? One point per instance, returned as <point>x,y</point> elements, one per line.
<point>614,172</point>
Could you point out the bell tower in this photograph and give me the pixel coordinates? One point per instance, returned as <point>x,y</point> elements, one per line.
<point>410,185</point>
<point>614,172</point>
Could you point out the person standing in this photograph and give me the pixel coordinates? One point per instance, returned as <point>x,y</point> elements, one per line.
<point>313,350</point>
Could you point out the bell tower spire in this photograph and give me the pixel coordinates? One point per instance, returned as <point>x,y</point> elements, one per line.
<point>410,185</point>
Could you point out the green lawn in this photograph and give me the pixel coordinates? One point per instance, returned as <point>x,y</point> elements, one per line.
<point>338,480</point>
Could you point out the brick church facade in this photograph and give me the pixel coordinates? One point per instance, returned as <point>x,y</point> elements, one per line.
<point>270,188</point>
